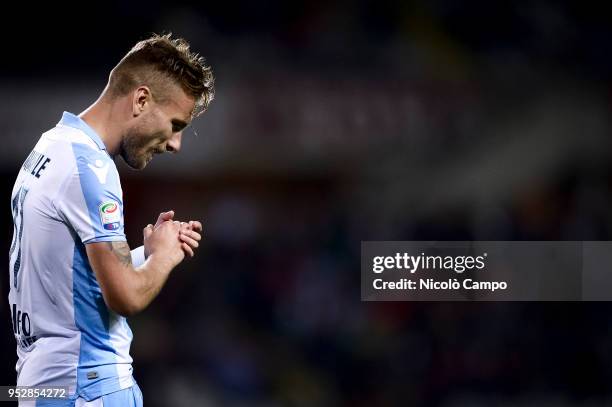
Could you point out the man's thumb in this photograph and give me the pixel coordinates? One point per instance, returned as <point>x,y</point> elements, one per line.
<point>148,231</point>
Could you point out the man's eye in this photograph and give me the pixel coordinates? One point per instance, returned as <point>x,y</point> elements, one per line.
<point>178,126</point>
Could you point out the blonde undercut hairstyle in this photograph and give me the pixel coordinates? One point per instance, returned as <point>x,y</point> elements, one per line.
<point>158,61</point>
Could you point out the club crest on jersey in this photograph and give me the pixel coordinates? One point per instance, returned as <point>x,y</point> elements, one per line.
<point>110,215</point>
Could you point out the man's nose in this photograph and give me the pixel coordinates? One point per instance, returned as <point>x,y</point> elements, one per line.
<point>174,144</point>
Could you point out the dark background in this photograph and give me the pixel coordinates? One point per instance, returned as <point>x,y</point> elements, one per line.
<point>336,123</point>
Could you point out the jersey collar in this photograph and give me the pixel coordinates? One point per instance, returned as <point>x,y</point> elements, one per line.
<point>71,120</point>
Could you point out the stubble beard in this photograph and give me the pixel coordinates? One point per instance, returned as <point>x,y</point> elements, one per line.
<point>132,146</point>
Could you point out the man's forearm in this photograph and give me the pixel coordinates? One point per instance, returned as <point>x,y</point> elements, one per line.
<point>149,278</point>
<point>127,290</point>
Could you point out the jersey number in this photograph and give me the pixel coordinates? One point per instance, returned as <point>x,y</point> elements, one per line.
<point>17,209</point>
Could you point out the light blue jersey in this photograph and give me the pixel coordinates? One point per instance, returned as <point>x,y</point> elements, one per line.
<point>67,195</point>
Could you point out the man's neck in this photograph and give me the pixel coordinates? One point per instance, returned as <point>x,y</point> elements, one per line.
<point>101,117</point>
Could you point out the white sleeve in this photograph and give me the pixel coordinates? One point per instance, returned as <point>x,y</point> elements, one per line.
<point>138,256</point>
<point>91,199</point>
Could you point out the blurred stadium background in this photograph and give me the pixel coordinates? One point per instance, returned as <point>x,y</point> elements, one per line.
<point>336,123</point>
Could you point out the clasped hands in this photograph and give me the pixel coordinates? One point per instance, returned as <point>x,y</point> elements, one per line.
<point>188,234</point>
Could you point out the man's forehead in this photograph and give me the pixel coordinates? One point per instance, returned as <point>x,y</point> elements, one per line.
<point>182,105</point>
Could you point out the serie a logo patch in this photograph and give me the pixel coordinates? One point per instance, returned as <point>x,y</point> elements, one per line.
<point>110,215</point>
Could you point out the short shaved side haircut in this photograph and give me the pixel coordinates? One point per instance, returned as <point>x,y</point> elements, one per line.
<point>160,61</point>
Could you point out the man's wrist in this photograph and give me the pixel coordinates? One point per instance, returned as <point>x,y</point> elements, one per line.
<point>160,263</point>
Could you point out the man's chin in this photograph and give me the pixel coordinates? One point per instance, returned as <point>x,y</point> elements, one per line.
<point>141,165</point>
<point>136,164</point>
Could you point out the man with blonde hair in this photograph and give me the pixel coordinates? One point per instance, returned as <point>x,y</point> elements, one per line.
<point>73,278</point>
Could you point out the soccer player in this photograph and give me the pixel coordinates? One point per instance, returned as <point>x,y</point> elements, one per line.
<point>73,279</point>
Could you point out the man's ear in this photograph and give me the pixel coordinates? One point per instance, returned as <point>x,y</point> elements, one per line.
<point>141,100</point>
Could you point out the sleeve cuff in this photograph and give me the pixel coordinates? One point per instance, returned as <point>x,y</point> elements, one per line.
<point>138,256</point>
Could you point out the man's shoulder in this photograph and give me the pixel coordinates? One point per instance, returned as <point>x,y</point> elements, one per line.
<point>82,159</point>
<point>81,144</point>
<point>75,152</point>
<point>69,135</point>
